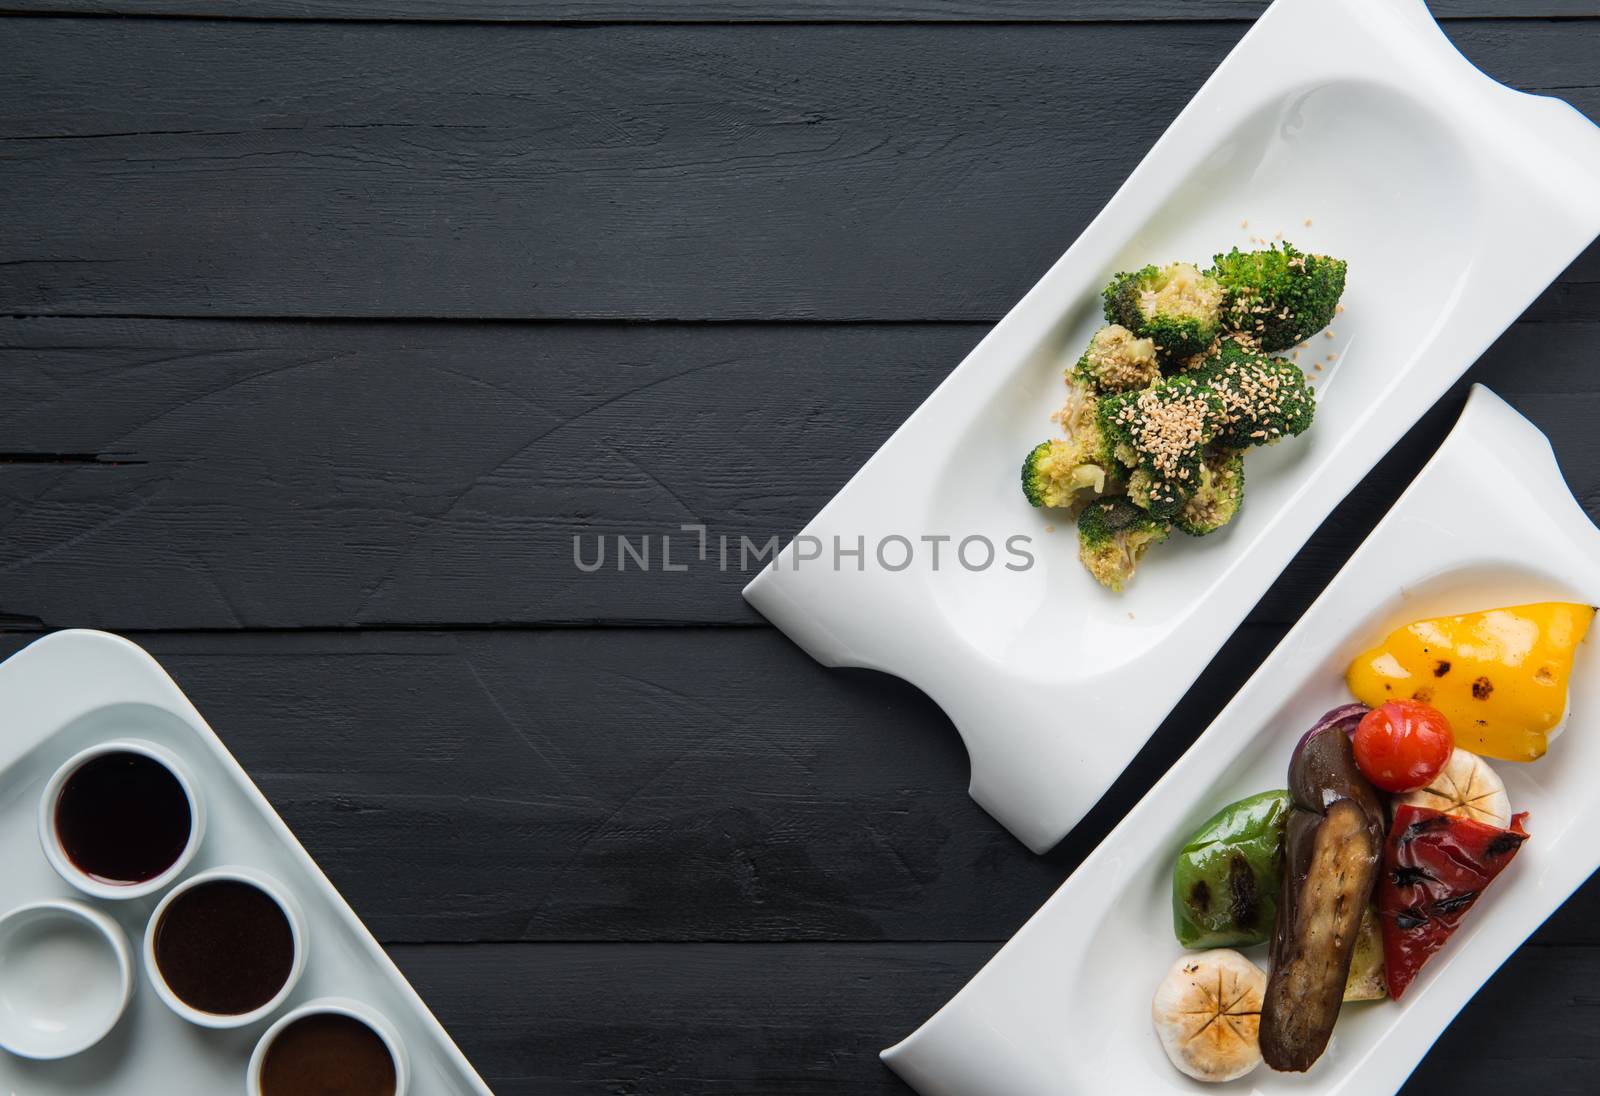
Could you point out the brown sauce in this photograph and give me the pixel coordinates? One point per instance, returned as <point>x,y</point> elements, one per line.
<point>224,947</point>
<point>327,1054</point>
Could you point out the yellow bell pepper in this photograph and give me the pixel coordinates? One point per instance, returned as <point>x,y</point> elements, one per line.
<point>1499,676</point>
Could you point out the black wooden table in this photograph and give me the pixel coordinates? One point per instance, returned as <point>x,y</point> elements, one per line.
<point>326,326</point>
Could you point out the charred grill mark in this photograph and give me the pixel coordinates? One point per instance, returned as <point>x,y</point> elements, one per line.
<point>1504,844</point>
<point>1423,826</point>
<point>1454,902</point>
<point>1409,875</point>
<point>1481,688</point>
<point>1200,896</point>
<point>1410,918</point>
<point>1441,668</point>
<point>1244,901</point>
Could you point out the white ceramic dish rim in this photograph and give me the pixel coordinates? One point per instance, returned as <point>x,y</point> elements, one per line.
<point>121,954</point>
<point>51,840</point>
<point>1537,162</point>
<point>969,1048</point>
<point>297,931</point>
<point>337,1006</point>
<point>75,673</point>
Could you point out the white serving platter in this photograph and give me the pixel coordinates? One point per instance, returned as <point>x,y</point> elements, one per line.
<point>1064,1008</point>
<point>73,689</point>
<point>1455,199</point>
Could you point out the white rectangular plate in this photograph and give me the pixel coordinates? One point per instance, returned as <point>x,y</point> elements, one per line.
<point>1455,200</point>
<point>1065,1006</point>
<point>73,689</point>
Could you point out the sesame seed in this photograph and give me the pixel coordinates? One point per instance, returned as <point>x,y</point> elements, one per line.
<point>1308,222</point>
<point>1167,427</point>
<point>1328,333</point>
<point>1244,224</point>
<point>1317,367</point>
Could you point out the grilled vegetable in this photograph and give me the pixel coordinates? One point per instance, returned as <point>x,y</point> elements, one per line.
<point>1435,866</point>
<point>1499,676</point>
<point>1333,842</point>
<point>1225,883</point>
<point>1401,745</point>
<point>1467,788</point>
<point>1207,1012</point>
<point>1368,980</point>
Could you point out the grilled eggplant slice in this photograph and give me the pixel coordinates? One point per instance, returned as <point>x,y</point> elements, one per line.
<point>1333,846</point>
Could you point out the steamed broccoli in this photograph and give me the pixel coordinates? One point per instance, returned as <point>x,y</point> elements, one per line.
<point>1219,496</point>
<point>1278,296</point>
<point>1176,305</point>
<point>1079,416</point>
<point>1262,399</point>
<point>1117,360</point>
<point>1112,536</point>
<point>1064,473</point>
<point>1160,433</point>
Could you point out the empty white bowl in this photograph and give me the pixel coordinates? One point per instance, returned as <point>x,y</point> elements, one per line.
<point>66,972</point>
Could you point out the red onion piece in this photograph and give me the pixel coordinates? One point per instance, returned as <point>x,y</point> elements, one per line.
<point>1347,717</point>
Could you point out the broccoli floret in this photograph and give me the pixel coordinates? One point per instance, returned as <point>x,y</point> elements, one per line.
<point>1078,416</point>
<point>1279,296</point>
<point>1117,360</point>
<point>1112,536</point>
<point>1065,473</point>
<point>1219,496</point>
<point>1176,305</point>
<point>1161,433</point>
<point>1262,399</point>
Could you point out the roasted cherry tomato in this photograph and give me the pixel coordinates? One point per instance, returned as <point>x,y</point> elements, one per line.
<point>1402,745</point>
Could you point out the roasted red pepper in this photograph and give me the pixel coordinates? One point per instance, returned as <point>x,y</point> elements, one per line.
<point>1434,867</point>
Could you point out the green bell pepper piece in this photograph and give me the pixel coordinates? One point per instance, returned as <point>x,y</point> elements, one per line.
<point>1225,883</point>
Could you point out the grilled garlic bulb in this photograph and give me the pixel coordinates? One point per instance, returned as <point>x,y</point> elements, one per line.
<point>1467,788</point>
<point>1207,1012</point>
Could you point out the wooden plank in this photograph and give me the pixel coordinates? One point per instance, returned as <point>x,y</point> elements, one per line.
<point>611,785</point>
<point>762,11</point>
<point>690,172</point>
<point>620,784</point>
<point>247,475</point>
<point>712,1020</point>
<point>643,784</point>
<point>808,1020</point>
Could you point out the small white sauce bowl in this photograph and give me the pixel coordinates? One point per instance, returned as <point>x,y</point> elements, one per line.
<point>66,973</point>
<point>291,911</point>
<point>337,1006</point>
<point>51,839</point>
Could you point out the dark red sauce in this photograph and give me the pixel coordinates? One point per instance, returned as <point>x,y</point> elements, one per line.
<point>224,947</point>
<point>122,818</point>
